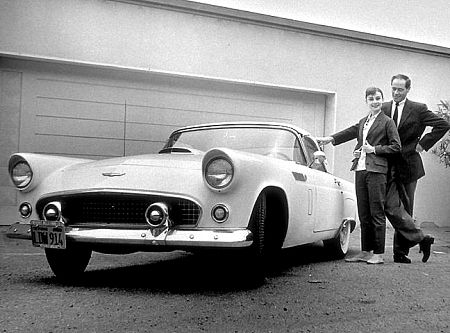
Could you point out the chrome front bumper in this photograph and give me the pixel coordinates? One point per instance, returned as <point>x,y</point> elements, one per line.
<point>228,238</point>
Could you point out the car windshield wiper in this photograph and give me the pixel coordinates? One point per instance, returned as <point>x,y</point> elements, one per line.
<point>174,150</point>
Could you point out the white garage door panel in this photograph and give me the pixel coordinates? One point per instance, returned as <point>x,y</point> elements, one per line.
<point>214,105</point>
<point>143,147</point>
<point>78,146</point>
<point>148,132</point>
<point>78,127</point>
<point>177,117</point>
<point>79,89</point>
<point>160,116</point>
<point>313,121</point>
<point>75,127</point>
<point>82,109</point>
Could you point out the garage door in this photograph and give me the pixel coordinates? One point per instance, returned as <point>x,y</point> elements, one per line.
<point>78,111</point>
<point>99,113</point>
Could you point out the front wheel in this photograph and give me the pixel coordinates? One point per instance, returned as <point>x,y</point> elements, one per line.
<point>70,263</point>
<point>258,228</point>
<point>338,246</point>
<point>257,253</point>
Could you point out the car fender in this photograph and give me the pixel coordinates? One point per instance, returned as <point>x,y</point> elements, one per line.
<point>42,165</point>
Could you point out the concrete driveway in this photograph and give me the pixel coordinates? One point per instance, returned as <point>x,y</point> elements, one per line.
<point>177,292</point>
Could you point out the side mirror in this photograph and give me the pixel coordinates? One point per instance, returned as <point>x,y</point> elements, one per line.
<point>319,157</point>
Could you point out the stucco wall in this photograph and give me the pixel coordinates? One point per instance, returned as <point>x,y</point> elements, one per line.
<point>148,37</point>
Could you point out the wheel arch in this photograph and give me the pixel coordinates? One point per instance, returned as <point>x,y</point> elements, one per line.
<point>277,215</point>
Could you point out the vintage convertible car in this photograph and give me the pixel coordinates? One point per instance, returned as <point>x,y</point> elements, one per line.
<point>252,187</point>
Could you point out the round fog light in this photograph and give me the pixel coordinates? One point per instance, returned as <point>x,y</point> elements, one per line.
<point>25,209</point>
<point>157,214</point>
<point>219,213</point>
<point>52,211</point>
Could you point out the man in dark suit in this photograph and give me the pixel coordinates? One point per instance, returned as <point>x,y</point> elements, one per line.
<point>411,119</point>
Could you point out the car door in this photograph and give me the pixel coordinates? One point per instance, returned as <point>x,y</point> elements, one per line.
<point>302,205</point>
<point>328,201</point>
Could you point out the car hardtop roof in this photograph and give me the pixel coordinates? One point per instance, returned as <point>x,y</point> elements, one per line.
<point>244,124</point>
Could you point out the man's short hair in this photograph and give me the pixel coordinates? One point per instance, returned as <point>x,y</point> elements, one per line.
<point>402,77</point>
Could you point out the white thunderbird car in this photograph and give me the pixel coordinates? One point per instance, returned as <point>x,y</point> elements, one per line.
<point>254,187</point>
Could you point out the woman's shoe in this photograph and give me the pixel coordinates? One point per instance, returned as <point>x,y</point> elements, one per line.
<point>376,259</point>
<point>362,256</point>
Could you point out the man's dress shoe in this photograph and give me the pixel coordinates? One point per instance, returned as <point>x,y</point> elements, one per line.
<point>402,259</point>
<point>425,247</point>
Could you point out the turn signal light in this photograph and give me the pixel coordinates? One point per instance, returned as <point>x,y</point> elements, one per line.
<point>219,213</point>
<point>25,209</point>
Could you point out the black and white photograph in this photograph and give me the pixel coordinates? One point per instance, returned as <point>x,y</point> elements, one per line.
<point>224,166</point>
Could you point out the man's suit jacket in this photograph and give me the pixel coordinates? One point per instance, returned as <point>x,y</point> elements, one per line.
<point>382,135</point>
<point>415,118</point>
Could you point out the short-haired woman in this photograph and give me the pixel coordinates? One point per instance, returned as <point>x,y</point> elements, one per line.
<point>377,139</point>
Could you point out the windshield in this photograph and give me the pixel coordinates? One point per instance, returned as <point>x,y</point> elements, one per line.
<point>275,142</point>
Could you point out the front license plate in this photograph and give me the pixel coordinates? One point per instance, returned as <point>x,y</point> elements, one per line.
<point>48,234</point>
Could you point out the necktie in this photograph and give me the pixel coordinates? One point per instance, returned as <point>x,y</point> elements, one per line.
<point>367,120</point>
<point>395,114</point>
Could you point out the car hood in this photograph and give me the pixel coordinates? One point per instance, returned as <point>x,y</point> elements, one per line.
<point>179,161</point>
<point>172,173</point>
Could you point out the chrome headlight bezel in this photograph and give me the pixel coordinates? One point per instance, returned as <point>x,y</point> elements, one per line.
<point>219,172</point>
<point>21,174</point>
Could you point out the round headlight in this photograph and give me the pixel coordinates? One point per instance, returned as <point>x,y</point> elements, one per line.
<point>21,174</point>
<point>219,173</point>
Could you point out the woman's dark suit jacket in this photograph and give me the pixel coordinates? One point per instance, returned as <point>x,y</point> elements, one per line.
<point>383,135</point>
<point>415,118</point>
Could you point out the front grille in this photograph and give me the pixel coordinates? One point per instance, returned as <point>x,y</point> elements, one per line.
<point>189,211</point>
<point>108,210</point>
<point>116,209</point>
